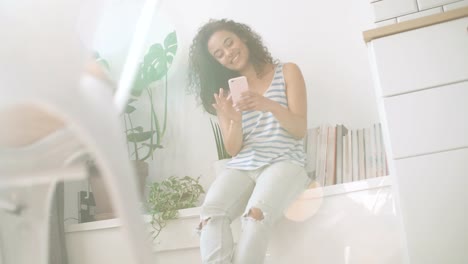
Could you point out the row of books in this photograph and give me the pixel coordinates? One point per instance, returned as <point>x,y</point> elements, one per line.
<point>339,155</point>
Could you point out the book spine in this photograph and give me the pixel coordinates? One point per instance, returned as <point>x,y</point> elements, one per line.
<point>355,158</point>
<point>362,162</point>
<point>331,157</point>
<point>311,148</point>
<point>339,154</point>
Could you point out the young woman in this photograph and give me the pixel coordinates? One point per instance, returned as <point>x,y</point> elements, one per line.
<point>263,133</point>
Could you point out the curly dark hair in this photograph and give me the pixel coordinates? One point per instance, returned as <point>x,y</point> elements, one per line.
<point>206,74</point>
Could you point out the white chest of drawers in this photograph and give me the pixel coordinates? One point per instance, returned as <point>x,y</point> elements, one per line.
<point>421,78</point>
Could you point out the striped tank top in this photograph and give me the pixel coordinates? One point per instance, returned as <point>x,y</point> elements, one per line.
<point>264,140</point>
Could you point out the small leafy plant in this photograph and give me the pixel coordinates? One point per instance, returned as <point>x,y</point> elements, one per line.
<point>167,197</point>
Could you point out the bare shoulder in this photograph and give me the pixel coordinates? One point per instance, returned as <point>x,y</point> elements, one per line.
<point>292,73</point>
<point>289,67</point>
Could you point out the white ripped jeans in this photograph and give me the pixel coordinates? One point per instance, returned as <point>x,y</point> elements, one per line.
<point>270,189</point>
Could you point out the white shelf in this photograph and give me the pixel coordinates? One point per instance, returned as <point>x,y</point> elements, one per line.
<point>309,194</point>
<point>348,187</point>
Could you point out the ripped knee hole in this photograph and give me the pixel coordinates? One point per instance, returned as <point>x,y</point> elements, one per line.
<point>203,223</point>
<point>255,213</point>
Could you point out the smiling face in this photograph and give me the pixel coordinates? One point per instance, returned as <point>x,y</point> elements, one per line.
<point>229,50</point>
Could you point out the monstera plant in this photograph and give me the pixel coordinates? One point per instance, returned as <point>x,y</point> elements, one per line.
<point>154,67</point>
<point>141,142</point>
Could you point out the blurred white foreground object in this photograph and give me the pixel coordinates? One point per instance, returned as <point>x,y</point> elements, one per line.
<point>50,111</point>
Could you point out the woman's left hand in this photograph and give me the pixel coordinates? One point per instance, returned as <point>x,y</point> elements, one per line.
<point>251,101</point>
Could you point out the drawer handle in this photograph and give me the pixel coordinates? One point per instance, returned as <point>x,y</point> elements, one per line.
<point>10,207</point>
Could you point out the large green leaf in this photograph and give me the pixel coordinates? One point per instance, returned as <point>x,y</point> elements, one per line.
<point>152,146</point>
<point>139,84</point>
<point>101,60</point>
<point>156,63</point>
<point>137,129</point>
<point>170,44</point>
<point>140,136</point>
<point>129,109</point>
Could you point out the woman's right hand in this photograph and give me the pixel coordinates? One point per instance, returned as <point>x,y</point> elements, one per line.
<point>223,105</point>
<point>230,121</point>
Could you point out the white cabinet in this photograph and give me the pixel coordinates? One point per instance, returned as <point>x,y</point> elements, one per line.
<point>423,58</point>
<point>421,78</point>
<point>428,121</point>
<point>436,187</point>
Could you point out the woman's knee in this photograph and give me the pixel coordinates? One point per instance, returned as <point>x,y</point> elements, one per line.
<point>203,222</point>
<point>211,213</point>
<point>255,213</point>
<point>260,213</point>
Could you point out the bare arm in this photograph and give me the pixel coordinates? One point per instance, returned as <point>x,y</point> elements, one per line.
<point>294,119</point>
<point>230,122</point>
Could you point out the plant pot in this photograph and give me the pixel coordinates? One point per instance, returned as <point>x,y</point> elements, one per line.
<point>104,209</point>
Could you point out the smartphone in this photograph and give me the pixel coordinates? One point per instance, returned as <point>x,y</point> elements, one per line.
<point>237,86</point>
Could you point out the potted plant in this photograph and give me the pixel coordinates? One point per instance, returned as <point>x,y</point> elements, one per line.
<point>141,142</point>
<point>154,67</point>
<point>167,197</point>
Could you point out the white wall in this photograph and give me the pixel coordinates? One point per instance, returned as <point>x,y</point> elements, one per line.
<point>321,37</point>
